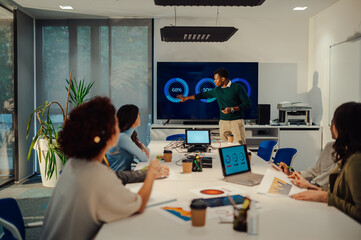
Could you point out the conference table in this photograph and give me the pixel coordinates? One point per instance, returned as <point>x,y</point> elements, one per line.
<point>280,217</point>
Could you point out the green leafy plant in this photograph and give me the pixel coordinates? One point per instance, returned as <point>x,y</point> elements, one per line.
<point>50,134</point>
<point>78,91</point>
<point>47,131</point>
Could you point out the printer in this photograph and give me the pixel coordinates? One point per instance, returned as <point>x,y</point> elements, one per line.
<point>295,113</point>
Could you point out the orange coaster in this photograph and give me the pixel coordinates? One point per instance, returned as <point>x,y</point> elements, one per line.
<point>212,191</point>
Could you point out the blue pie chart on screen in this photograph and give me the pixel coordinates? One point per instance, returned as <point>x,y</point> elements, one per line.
<point>228,159</point>
<point>174,87</point>
<point>205,85</point>
<point>242,157</point>
<point>244,84</point>
<point>234,157</point>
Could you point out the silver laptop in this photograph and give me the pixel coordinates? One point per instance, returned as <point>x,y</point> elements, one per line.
<point>236,167</point>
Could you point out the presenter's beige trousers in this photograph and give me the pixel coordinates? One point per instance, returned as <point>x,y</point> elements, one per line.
<point>235,127</point>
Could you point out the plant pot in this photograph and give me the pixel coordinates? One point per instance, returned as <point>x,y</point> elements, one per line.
<point>51,182</point>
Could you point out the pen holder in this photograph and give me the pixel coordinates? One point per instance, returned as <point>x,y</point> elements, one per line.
<point>240,219</point>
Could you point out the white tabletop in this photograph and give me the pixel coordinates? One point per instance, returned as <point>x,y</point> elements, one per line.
<point>280,217</point>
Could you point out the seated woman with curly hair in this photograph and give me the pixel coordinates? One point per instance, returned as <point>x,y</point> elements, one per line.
<point>345,179</point>
<point>88,193</point>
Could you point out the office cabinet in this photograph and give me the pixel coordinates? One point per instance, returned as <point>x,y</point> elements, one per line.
<point>306,139</point>
<point>255,134</point>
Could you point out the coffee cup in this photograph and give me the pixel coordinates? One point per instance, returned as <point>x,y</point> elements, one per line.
<point>187,165</point>
<point>167,155</point>
<point>230,138</point>
<point>198,212</point>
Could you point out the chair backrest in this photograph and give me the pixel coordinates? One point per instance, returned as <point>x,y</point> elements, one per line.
<point>285,155</point>
<point>176,137</point>
<point>265,149</point>
<point>11,218</point>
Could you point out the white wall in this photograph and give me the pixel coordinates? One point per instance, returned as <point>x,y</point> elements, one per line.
<point>333,25</point>
<point>280,46</point>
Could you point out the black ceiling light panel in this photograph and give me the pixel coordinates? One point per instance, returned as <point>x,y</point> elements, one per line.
<point>196,34</point>
<point>238,3</point>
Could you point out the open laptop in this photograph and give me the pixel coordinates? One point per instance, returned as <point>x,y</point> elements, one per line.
<point>197,139</point>
<point>236,167</point>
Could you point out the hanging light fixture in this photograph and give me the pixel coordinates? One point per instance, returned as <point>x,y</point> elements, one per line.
<point>238,3</point>
<point>196,34</point>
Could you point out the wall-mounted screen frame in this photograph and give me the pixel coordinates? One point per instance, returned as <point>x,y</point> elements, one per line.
<point>190,78</point>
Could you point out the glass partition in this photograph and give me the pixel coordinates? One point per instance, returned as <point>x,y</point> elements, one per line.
<point>115,54</point>
<point>7,132</point>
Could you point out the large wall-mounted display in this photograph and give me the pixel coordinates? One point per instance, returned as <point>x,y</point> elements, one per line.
<point>190,78</point>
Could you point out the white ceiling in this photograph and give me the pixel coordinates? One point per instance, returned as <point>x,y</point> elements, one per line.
<point>147,9</point>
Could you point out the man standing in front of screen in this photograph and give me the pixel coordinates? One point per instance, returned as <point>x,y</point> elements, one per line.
<point>232,100</point>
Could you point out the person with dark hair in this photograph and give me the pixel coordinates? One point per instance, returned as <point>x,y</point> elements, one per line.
<point>88,193</point>
<point>232,100</point>
<point>318,175</point>
<point>122,155</point>
<point>345,179</point>
<point>129,147</point>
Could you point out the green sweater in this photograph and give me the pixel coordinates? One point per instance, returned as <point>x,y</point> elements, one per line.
<point>345,187</point>
<point>231,96</point>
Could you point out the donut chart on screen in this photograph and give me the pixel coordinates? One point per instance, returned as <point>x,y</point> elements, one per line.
<point>245,84</point>
<point>174,87</point>
<point>204,85</point>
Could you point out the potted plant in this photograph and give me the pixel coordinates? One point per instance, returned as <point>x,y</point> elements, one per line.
<point>51,158</point>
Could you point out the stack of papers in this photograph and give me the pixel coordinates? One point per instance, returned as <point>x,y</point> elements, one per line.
<point>277,183</point>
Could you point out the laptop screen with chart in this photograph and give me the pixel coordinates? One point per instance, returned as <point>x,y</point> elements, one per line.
<point>236,166</point>
<point>234,160</point>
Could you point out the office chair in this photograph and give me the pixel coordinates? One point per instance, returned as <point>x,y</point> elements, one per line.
<point>285,155</point>
<point>12,221</point>
<point>174,137</point>
<point>265,149</point>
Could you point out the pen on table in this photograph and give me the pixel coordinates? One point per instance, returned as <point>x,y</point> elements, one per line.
<point>145,168</point>
<point>232,201</point>
<point>195,161</point>
<point>275,166</point>
<point>289,167</point>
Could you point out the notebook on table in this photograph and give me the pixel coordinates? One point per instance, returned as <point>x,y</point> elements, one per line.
<point>236,166</point>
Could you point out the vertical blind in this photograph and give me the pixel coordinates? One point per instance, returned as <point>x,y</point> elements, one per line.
<point>114,54</point>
